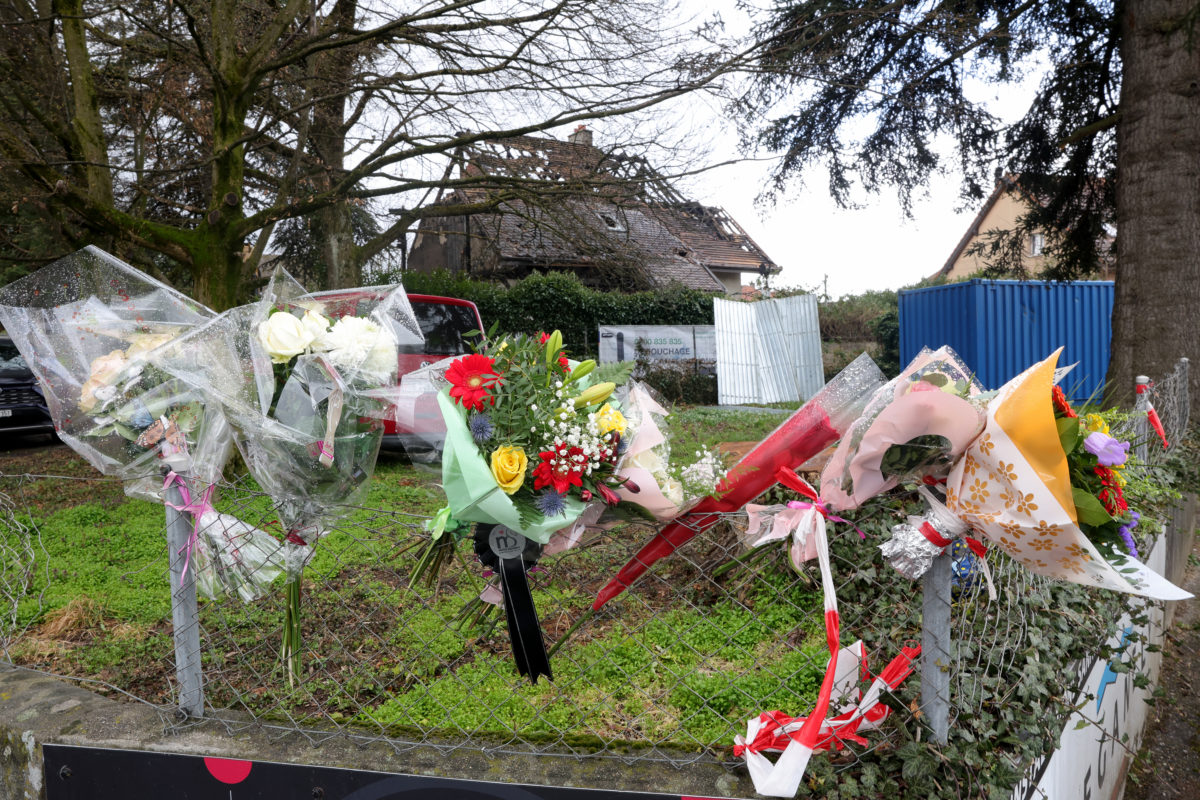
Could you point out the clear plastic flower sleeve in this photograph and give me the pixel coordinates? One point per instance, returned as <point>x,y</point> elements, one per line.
<point>87,325</point>
<point>306,380</point>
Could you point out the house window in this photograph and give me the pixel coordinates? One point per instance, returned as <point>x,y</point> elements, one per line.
<point>610,221</point>
<point>1037,242</point>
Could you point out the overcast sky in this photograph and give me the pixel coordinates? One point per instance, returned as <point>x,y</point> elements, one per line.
<point>854,250</point>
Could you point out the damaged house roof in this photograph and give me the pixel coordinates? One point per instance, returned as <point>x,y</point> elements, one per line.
<point>618,223</point>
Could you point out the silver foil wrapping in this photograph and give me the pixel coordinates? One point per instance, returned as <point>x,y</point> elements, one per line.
<point>909,551</point>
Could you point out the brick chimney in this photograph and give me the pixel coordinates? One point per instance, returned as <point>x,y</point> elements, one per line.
<point>581,136</point>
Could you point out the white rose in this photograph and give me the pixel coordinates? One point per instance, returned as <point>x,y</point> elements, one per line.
<point>284,337</point>
<point>673,491</point>
<point>351,340</point>
<point>647,460</point>
<point>316,323</point>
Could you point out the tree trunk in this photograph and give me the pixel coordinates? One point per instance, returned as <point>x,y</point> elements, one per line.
<point>335,70</point>
<point>86,125</point>
<point>337,247</point>
<point>1158,198</point>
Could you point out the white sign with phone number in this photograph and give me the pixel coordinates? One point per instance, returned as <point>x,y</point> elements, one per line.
<point>658,342</point>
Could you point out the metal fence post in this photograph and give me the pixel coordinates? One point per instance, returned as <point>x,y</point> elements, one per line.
<point>1141,446</point>
<point>1183,367</point>
<point>184,612</point>
<point>935,647</point>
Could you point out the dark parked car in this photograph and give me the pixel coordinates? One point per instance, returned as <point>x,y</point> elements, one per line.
<point>22,406</point>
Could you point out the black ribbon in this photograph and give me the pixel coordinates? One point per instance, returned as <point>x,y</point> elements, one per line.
<point>510,554</point>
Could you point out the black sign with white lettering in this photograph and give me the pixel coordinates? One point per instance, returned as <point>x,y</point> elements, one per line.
<point>91,773</point>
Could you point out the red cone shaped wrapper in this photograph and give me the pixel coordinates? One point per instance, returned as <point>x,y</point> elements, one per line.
<point>816,425</point>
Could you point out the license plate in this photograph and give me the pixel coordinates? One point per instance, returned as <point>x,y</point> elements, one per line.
<point>5,412</point>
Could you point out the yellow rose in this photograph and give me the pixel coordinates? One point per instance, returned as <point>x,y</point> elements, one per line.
<point>508,467</point>
<point>609,419</point>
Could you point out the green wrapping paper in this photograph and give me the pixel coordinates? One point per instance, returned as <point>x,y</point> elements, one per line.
<point>472,492</point>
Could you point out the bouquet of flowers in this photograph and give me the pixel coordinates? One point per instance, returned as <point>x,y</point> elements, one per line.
<point>305,380</point>
<point>665,486</point>
<point>815,426</point>
<point>914,427</point>
<point>1043,485</point>
<point>90,326</point>
<point>532,439</point>
<point>86,325</point>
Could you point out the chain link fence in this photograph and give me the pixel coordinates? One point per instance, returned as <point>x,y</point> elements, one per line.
<point>666,674</point>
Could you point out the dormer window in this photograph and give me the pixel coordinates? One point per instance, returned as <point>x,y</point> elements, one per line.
<point>610,221</point>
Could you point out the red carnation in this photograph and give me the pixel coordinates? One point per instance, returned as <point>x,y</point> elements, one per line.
<point>564,362</point>
<point>561,468</point>
<point>470,378</point>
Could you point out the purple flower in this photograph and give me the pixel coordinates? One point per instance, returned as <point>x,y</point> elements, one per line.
<point>1107,450</point>
<point>1126,532</point>
<point>481,428</point>
<point>550,503</point>
<point>1128,539</point>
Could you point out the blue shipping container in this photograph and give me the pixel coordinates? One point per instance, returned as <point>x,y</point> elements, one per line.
<point>1001,327</point>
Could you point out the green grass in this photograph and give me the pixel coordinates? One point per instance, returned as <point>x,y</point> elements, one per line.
<point>395,657</point>
<point>693,427</point>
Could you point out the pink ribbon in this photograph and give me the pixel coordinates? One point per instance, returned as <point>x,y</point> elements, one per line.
<point>793,481</point>
<point>196,509</point>
<point>824,512</point>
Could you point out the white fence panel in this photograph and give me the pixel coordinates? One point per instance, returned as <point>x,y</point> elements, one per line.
<point>769,351</point>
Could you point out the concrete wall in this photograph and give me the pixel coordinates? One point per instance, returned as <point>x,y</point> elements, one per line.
<point>36,709</point>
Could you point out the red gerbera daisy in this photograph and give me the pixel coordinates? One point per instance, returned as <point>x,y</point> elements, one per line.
<point>470,378</point>
<point>1061,405</point>
<point>561,468</point>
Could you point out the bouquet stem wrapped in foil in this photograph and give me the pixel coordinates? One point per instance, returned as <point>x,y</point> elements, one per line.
<point>915,543</point>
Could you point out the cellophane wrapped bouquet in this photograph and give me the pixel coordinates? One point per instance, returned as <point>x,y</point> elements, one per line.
<point>306,381</point>
<point>914,430</point>
<point>90,326</point>
<point>804,435</point>
<point>86,325</point>
<point>656,477</point>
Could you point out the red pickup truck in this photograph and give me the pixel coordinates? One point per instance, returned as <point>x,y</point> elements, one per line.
<point>417,423</point>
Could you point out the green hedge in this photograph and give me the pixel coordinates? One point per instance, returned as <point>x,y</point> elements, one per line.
<point>559,300</point>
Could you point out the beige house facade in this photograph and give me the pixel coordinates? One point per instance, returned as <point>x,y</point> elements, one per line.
<point>1007,203</point>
